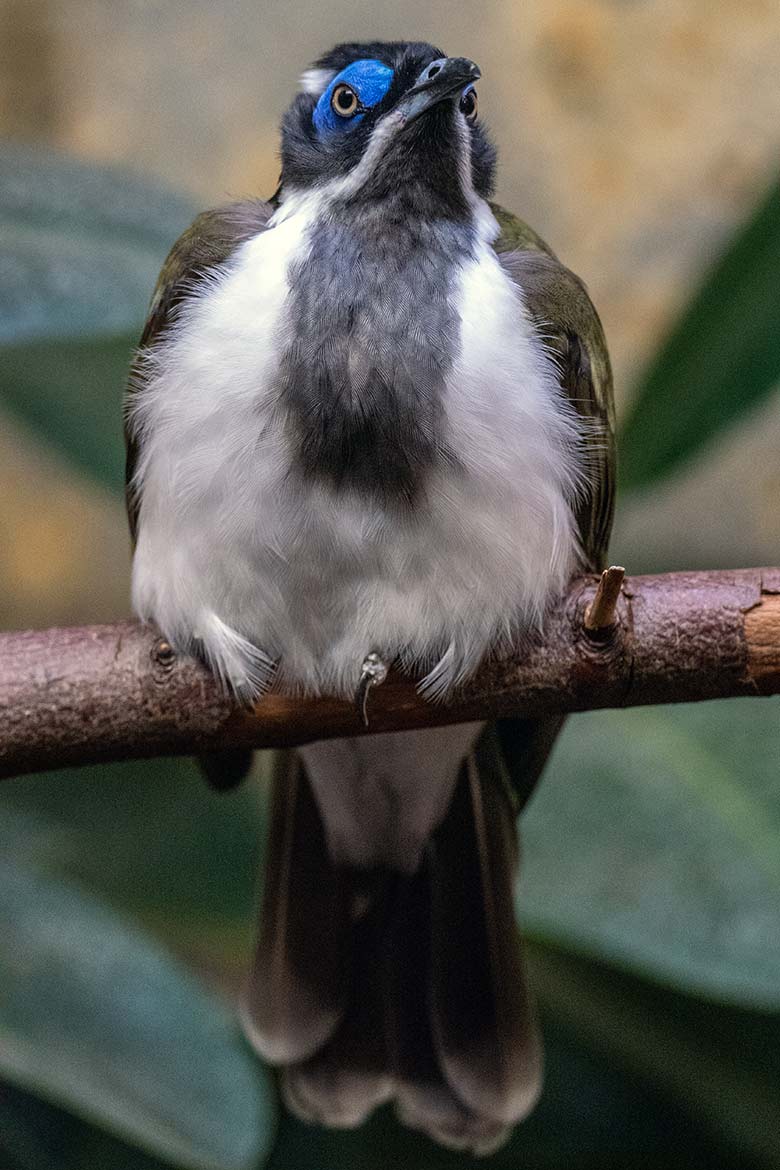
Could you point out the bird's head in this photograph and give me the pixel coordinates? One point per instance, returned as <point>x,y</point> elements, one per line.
<point>389,118</point>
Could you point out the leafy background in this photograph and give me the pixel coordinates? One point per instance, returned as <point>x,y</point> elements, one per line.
<point>651,885</point>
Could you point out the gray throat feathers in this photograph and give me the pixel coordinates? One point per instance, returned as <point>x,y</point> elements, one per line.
<point>369,339</point>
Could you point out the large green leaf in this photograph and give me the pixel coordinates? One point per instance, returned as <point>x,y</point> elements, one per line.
<point>722,357</point>
<point>70,392</point>
<point>81,244</point>
<point>720,1063</point>
<point>80,249</point>
<point>36,1135</point>
<point>654,842</point>
<point>97,1017</point>
<point>150,837</point>
<point>32,1134</point>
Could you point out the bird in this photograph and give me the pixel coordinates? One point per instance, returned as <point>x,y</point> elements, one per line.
<point>370,424</point>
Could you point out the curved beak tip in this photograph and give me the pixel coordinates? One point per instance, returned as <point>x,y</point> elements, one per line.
<point>440,80</point>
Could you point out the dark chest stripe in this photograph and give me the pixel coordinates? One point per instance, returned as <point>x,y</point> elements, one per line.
<point>369,336</point>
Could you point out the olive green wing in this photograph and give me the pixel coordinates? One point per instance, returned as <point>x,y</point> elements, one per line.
<point>516,234</point>
<point>569,325</point>
<point>207,243</point>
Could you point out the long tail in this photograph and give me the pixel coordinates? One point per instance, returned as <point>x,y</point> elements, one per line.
<point>370,984</point>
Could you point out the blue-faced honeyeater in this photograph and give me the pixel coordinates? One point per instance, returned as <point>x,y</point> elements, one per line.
<point>370,421</point>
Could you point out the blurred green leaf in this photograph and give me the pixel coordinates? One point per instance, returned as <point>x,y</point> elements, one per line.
<point>82,244</point>
<point>81,249</point>
<point>718,1062</point>
<point>150,837</point>
<point>32,1134</point>
<point>96,1017</point>
<point>654,842</point>
<point>722,357</point>
<point>36,1135</point>
<point>70,392</point>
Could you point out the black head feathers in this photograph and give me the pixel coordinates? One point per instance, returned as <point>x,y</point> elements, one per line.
<point>355,121</point>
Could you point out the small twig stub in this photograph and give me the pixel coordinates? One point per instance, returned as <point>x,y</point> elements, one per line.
<point>601,614</point>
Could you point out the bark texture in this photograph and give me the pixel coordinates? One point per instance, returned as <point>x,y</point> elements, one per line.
<point>114,692</point>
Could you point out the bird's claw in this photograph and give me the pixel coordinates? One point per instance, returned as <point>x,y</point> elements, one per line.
<point>373,673</point>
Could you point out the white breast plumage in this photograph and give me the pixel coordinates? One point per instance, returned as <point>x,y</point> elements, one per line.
<point>231,553</point>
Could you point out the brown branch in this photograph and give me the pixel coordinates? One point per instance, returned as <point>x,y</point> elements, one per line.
<point>117,692</point>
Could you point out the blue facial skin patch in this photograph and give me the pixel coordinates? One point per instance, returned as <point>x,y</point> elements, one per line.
<point>370,80</point>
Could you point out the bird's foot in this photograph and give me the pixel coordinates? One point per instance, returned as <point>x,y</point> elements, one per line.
<point>373,673</point>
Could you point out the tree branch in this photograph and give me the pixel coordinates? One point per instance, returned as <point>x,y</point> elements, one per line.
<point>77,696</point>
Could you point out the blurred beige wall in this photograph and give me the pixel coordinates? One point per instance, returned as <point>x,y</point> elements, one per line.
<point>634,134</point>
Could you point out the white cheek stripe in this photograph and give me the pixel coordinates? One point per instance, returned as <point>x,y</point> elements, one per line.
<point>351,183</point>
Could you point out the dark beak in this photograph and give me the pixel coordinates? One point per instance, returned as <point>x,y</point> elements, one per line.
<point>440,80</point>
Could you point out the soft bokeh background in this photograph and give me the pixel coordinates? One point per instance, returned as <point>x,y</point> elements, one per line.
<point>637,136</point>
<point>634,135</point>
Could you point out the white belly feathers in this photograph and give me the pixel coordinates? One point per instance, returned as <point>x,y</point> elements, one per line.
<point>261,569</point>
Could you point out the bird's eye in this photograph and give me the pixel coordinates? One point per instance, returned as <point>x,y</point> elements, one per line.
<point>469,105</point>
<point>344,101</point>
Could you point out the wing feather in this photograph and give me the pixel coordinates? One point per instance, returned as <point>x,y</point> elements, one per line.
<point>486,1035</point>
<point>571,330</point>
<point>298,986</point>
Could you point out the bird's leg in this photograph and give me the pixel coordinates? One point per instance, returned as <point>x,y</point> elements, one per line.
<point>373,673</point>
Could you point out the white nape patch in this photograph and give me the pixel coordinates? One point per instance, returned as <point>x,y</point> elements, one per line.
<point>316,81</point>
<point>235,551</point>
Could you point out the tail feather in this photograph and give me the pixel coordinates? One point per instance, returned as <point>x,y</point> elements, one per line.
<point>439,1114</point>
<point>349,1076</point>
<point>372,984</point>
<point>483,1022</point>
<point>297,990</point>
<point>424,1100</point>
